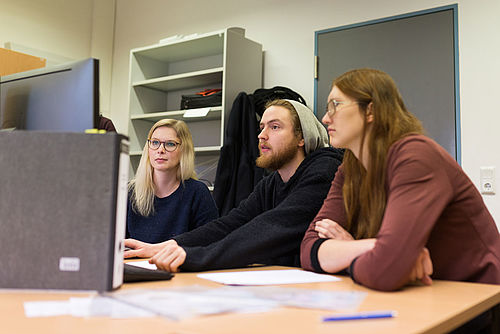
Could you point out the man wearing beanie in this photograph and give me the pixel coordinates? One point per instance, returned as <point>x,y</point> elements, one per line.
<point>268,226</point>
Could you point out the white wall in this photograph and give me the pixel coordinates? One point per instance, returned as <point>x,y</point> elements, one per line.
<point>62,30</point>
<point>479,76</point>
<point>101,47</point>
<point>58,27</point>
<point>82,28</point>
<point>286,30</point>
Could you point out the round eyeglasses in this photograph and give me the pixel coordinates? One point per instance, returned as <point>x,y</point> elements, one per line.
<point>169,145</point>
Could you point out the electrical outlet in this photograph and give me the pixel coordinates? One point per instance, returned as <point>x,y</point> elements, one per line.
<point>487,180</point>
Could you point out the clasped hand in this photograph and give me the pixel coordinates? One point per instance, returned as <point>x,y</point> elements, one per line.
<point>328,229</point>
<point>421,270</point>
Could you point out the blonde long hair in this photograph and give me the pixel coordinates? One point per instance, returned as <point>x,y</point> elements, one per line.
<point>142,188</point>
<point>364,190</point>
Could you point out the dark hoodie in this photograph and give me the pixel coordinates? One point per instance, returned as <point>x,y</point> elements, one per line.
<point>268,226</point>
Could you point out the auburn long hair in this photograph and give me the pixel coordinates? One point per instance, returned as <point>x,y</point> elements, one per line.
<point>364,189</point>
<point>142,188</point>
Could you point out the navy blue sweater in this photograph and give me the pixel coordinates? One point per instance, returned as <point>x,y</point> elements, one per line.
<point>269,225</point>
<point>187,208</point>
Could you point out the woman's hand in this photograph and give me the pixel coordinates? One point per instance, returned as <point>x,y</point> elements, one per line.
<point>340,249</point>
<point>170,257</point>
<point>140,249</point>
<point>328,229</point>
<point>422,269</point>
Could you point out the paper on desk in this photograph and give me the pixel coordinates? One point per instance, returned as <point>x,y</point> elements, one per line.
<point>268,277</point>
<point>84,307</point>
<point>46,308</point>
<point>105,307</point>
<point>198,112</point>
<point>308,298</point>
<point>143,264</point>
<point>186,302</point>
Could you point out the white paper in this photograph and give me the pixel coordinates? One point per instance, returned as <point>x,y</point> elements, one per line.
<point>190,301</point>
<point>309,298</point>
<point>186,302</point>
<point>108,307</point>
<point>80,306</point>
<point>268,277</point>
<point>46,308</point>
<point>143,264</point>
<point>198,112</point>
<point>84,307</point>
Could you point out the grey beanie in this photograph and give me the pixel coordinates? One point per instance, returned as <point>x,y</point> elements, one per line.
<point>314,133</point>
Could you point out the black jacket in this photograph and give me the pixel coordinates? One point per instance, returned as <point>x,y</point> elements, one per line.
<point>237,173</point>
<point>269,225</point>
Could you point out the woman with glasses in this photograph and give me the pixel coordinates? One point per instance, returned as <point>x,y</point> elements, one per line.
<point>165,199</point>
<point>400,208</point>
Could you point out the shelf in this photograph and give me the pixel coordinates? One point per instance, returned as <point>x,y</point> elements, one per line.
<point>161,74</point>
<point>184,80</point>
<point>178,50</point>
<point>206,149</point>
<point>214,114</point>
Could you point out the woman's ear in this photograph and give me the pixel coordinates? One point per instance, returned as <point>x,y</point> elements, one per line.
<point>369,113</point>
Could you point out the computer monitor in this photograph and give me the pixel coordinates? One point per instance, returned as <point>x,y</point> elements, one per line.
<point>61,98</point>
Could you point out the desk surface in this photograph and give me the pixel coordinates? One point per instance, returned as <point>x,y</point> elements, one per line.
<point>434,309</point>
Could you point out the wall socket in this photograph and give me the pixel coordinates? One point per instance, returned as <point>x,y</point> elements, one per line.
<point>487,180</point>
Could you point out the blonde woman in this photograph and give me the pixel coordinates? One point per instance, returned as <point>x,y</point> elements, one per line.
<point>400,209</point>
<point>165,199</point>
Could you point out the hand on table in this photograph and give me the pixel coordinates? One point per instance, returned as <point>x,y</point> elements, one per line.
<point>140,249</point>
<point>170,257</point>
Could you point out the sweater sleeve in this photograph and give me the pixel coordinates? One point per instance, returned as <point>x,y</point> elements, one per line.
<point>418,193</point>
<point>217,229</point>
<point>332,208</point>
<point>262,234</point>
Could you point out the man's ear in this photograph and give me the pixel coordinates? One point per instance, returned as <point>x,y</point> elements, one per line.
<point>369,113</point>
<point>301,142</point>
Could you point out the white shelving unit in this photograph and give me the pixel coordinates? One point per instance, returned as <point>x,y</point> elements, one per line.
<point>160,74</point>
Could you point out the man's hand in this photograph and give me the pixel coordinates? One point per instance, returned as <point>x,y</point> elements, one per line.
<point>328,229</point>
<point>140,249</point>
<point>422,269</point>
<point>170,257</point>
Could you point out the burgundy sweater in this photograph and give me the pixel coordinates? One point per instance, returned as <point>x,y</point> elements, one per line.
<point>430,203</point>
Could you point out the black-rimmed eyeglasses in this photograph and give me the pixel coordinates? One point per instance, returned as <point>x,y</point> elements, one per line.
<point>169,145</point>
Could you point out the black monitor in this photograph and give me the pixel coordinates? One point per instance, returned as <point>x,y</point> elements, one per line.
<point>56,98</point>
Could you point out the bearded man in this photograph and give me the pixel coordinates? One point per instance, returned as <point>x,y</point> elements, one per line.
<point>268,227</point>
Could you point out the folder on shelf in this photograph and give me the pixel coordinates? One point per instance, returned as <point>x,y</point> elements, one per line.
<point>63,199</point>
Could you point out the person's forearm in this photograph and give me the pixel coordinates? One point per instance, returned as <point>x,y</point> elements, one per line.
<point>336,255</point>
